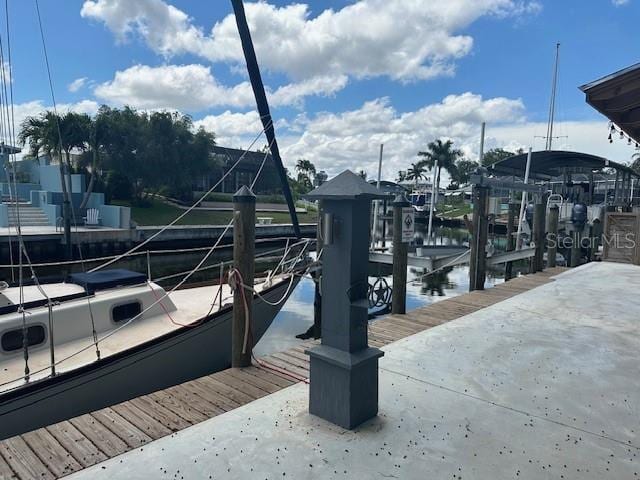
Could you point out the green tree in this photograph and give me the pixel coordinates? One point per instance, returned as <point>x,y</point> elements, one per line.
<point>416,172</point>
<point>495,155</point>
<point>306,171</point>
<point>463,171</point>
<point>441,155</point>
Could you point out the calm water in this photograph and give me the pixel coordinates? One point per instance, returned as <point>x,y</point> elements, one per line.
<point>296,315</point>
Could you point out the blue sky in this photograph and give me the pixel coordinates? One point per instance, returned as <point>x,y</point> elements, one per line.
<point>344,76</point>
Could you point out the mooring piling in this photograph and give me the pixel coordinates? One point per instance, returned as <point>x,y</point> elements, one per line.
<point>478,258</point>
<point>552,238</point>
<point>244,234</point>
<point>400,255</point>
<point>539,213</point>
<point>511,241</point>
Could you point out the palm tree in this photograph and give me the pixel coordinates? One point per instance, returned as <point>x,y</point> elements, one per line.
<point>441,155</point>
<point>415,172</point>
<point>305,167</point>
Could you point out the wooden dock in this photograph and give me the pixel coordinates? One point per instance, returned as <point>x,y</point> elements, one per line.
<point>72,445</point>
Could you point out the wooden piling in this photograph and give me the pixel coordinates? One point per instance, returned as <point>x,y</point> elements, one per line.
<point>478,260</point>
<point>514,209</point>
<point>576,252</point>
<point>400,252</point>
<point>552,239</point>
<point>539,211</point>
<point>244,234</point>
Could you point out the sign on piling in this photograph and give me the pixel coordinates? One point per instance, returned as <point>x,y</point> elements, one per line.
<point>408,224</point>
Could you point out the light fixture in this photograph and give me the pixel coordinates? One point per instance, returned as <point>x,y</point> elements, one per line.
<point>610,139</point>
<point>621,134</point>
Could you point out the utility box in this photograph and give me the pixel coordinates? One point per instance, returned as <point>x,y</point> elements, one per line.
<point>344,369</point>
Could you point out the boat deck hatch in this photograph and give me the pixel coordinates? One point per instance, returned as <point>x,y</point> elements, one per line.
<point>105,279</point>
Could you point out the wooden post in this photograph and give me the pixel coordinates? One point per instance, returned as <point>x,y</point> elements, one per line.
<point>514,208</point>
<point>538,233</point>
<point>400,252</point>
<point>574,260</point>
<point>552,240</point>
<point>478,260</point>
<point>244,235</point>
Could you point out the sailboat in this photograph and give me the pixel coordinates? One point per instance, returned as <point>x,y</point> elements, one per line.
<point>105,336</point>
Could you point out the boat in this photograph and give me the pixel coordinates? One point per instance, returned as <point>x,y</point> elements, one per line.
<point>108,335</point>
<point>147,339</point>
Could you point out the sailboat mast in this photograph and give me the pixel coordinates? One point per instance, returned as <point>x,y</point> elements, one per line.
<point>263,106</point>
<point>552,103</point>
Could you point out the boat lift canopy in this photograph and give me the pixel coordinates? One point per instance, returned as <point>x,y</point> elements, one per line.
<point>549,164</point>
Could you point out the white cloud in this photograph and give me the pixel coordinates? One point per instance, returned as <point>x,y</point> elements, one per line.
<point>401,39</point>
<point>194,88</point>
<point>77,84</point>
<point>182,87</point>
<point>619,3</point>
<point>237,130</point>
<point>232,129</point>
<point>351,139</point>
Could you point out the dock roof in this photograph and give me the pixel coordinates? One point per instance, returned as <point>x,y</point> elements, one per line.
<point>548,164</point>
<point>617,97</point>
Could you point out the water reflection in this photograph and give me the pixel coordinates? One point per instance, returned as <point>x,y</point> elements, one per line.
<point>296,315</point>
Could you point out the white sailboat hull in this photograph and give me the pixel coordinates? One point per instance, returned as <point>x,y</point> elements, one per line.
<point>177,356</point>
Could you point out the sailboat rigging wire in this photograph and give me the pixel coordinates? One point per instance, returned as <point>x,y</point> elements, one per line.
<point>166,294</point>
<point>181,216</point>
<point>67,166</point>
<point>151,252</point>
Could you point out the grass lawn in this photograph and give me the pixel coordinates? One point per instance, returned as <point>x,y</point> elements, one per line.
<point>160,213</point>
<point>452,211</point>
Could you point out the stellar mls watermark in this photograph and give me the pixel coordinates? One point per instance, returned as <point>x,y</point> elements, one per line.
<point>616,240</point>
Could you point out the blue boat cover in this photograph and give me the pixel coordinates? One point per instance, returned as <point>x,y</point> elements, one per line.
<point>104,279</point>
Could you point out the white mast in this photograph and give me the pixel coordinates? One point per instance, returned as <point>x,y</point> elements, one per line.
<point>552,103</point>
<point>377,202</point>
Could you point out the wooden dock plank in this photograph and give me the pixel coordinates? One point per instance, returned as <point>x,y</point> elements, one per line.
<point>79,446</point>
<point>23,461</point>
<point>271,376</point>
<point>219,401</point>
<point>143,421</point>
<point>125,430</point>
<point>56,458</point>
<point>171,401</point>
<point>95,431</point>
<point>169,419</point>
<point>6,473</point>
<point>257,382</point>
<point>187,393</point>
<point>239,389</point>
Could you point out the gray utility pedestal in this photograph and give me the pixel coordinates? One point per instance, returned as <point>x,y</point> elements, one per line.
<point>344,369</point>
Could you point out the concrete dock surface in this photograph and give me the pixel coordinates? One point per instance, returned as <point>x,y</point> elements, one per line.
<point>542,385</point>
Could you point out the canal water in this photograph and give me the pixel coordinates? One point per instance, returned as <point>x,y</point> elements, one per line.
<point>296,316</point>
